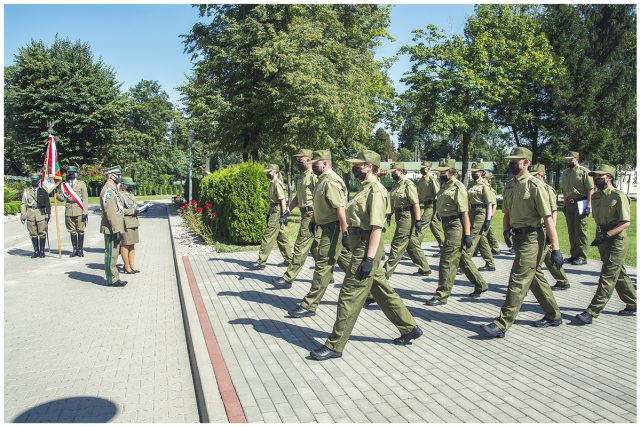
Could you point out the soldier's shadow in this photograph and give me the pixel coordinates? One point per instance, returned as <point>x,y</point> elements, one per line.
<point>20,252</point>
<point>301,336</point>
<point>277,301</point>
<point>86,278</point>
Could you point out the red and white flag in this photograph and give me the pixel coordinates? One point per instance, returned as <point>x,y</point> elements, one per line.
<point>51,174</point>
<point>69,191</point>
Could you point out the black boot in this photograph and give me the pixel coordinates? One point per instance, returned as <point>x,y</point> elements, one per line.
<point>43,240</point>
<point>36,252</point>
<point>74,243</point>
<point>80,244</point>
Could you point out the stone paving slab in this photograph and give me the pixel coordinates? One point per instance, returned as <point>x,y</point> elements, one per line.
<point>451,374</point>
<point>77,351</point>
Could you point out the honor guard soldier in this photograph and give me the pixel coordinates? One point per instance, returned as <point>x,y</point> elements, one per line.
<point>76,209</point>
<point>112,224</point>
<point>276,224</point>
<point>35,209</point>
<point>577,189</point>
<point>428,188</point>
<point>562,281</point>
<point>452,207</point>
<point>366,214</point>
<point>329,220</point>
<point>612,214</point>
<point>130,236</point>
<point>408,234</point>
<point>481,211</point>
<point>526,208</point>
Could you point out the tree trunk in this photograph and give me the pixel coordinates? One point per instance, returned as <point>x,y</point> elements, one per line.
<point>466,141</point>
<point>515,135</point>
<point>533,130</point>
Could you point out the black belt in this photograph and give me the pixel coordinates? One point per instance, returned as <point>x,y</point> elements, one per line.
<point>448,219</point>
<point>359,231</point>
<point>575,199</point>
<point>273,205</point>
<point>328,224</point>
<point>428,202</point>
<point>526,230</point>
<point>478,206</point>
<point>404,209</point>
<point>605,228</point>
<point>305,210</point>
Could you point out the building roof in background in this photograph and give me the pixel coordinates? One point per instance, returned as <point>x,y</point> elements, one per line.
<point>414,166</point>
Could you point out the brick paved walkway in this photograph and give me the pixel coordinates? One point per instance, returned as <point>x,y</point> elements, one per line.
<point>451,374</point>
<point>78,351</point>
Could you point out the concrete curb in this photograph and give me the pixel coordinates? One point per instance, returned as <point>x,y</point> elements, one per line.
<point>209,400</point>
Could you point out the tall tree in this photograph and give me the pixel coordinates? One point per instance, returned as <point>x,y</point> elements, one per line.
<point>381,143</point>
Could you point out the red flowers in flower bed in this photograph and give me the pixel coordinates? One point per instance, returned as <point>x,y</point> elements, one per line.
<point>214,214</point>
<point>208,206</point>
<point>198,210</point>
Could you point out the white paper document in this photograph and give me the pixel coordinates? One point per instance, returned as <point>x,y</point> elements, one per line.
<point>582,205</point>
<point>144,207</point>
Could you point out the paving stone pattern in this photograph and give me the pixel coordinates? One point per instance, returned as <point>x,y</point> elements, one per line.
<point>77,351</point>
<point>452,374</point>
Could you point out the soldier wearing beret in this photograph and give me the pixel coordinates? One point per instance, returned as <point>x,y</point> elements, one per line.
<point>35,210</point>
<point>76,209</point>
<point>612,214</point>
<point>577,189</point>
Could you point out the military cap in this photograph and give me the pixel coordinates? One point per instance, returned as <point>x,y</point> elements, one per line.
<point>488,175</point>
<point>272,167</point>
<point>127,180</point>
<point>34,176</point>
<point>446,164</point>
<point>304,153</point>
<point>425,164</point>
<point>72,169</point>
<point>112,170</point>
<point>571,155</point>
<point>475,167</point>
<point>320,155</point>
<point>603,169</point>
<point>366,156</point>
<point>397,166</point>
<point>520,153</point>
<point>538,168</point>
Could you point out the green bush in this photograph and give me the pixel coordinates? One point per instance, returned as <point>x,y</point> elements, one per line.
<point>239,196</point>
<point>11,208</point>
<point>10,194</point>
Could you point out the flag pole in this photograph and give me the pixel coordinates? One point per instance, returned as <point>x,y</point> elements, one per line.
<point>55,201</point>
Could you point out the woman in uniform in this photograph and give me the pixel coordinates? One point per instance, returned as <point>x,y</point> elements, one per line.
<point>131,223</point>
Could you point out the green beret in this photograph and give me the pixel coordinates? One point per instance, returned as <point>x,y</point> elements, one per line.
<point>112,170</point>
<point>72,169</point>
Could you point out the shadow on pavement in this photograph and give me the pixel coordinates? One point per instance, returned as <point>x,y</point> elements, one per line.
<point>85,409</point>
<point>20,252</point>
<point>278,301</point>
<point>85,277</point>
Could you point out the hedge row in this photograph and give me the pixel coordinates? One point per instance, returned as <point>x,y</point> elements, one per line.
<point>11,208</point>
<point>239,196</point>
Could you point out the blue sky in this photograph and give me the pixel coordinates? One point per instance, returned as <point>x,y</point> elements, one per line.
<point>142,41</point>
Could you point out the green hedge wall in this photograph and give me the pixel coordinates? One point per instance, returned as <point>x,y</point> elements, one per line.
<point>11,208</point>
<point>239,196</point>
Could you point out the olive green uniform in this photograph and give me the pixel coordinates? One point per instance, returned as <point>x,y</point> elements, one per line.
<point>305,240</point>
<point>451,202</point>
<point>490,238</point>
<point>33,213</point>
<point>428,188</point>
<point>480,196</point>
<point>526,201</point>
<point>329,194</point>
<point>403,196</point>
<point>72,211</point>
<point>275,231</point>
<point>112,222</point>
<point>366,209</point>
<point>610,208</point>
<point>557,273</point>
<point>131,223</point>
<point>576,184</point>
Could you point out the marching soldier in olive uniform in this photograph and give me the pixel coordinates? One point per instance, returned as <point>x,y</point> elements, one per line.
<point>452,207</point>
<point>577,186</point>
<point>562,281</point>
<point>130,236</point>
<point>112,224</point>
<point>36,211</point>
<point>490,238</point>
<point>481,211</point>
<point>276,225</point>
<point>304,200</point>
<point>329,202</point>
<point>428,188</point>
<point>76,212</point>
<point>408,234</point>
<point>366,216</point>
<point>526,207</point>
<point>612,214</point>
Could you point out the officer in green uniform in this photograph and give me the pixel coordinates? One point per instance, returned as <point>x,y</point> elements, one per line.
<point>452,207</point>
<point>130,236</point>
<point>76,216</point>
<point>304,200</point>
<point>490,238</point>
<point>408,234</point>
<point>481,212</point>
<point>366,216</point>
<point>562,281</point>
<point>329,220</point>
<point>612,214</point>
<point>428,188</point>
<point>577,186</point>
<point>526,207</point>
<point>35,210</point>
<point>112,224</point>
<point>276,221</point>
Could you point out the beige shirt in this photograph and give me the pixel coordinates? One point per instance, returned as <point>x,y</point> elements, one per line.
<point>576,182</point>
<point>369,206</point>
<point>611,207</point>
<point>452,199</point>
<point>526,201</point>
<point>306,185</point>
<point>403,194</point>
<point>428,188</point>
<point>330,194</point>
<point>112,210</point>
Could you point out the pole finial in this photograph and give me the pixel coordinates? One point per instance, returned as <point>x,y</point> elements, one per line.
<point>50,124</point>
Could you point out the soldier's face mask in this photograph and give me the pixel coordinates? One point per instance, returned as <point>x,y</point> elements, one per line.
<point>35,182</point>
<point>359,172</point>
<point>571,164</point>
<point>515,167</point>
<point>423,172</point>
<point>269,176</point>
<point>600,183</point>
<point>475,176</point>
<point>317,169</point>
<point>71,176</point>
<point>117,179</point>
<point>444,177</point>
<point>396,176</point>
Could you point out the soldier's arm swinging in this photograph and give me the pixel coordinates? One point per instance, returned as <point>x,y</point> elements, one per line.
<point>550,226</point>
<point>293,203</point>
<point>342,218</point>
<point>374,241</point>
<point>283,205</point>
<point>416,211</point>
<point>619,229</point>
<point>466,223</point>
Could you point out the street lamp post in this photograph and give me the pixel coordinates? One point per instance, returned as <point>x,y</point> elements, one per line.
<point>190,161</point>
